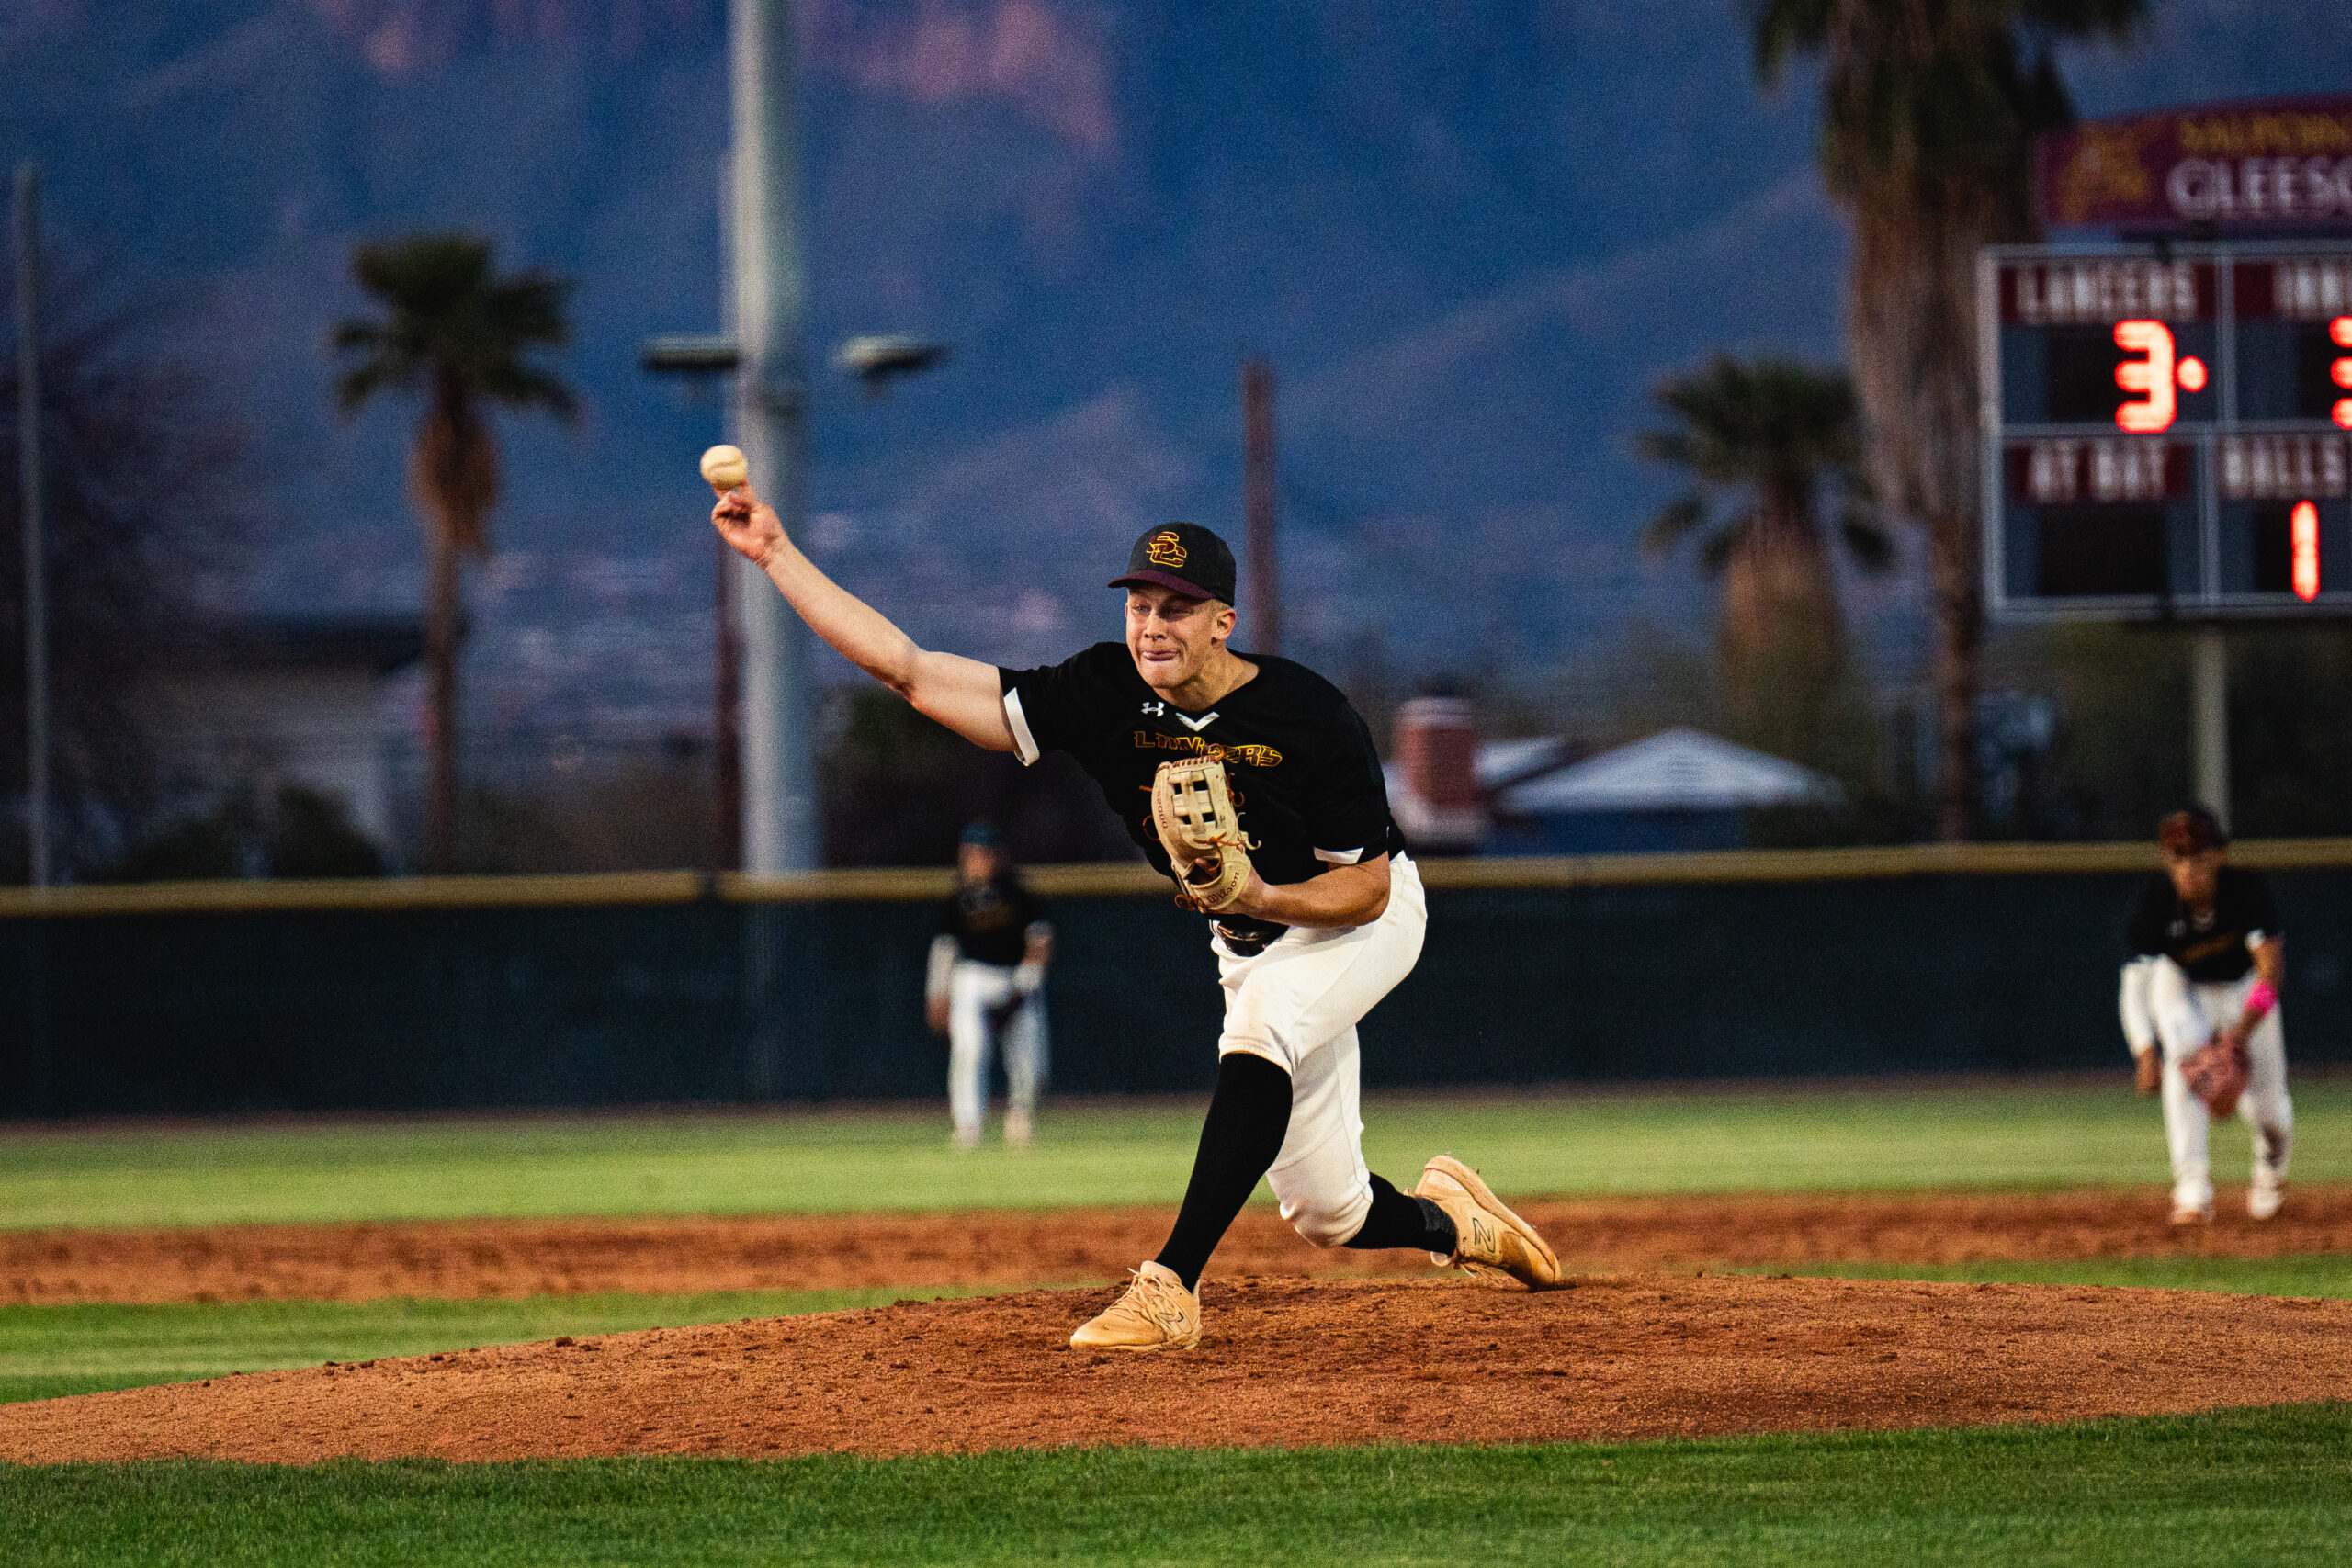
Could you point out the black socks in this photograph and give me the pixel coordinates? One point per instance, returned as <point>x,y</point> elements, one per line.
<point>1399,1219</point>
<point>1243,1133</point>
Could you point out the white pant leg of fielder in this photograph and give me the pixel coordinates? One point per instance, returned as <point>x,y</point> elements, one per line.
<point>972,988</point>
<point>2265,1106</point>
<point>2182,1026</point>
<point>1297,1004</point>
<point>2186,1014</point>
<point>1024,1042</point>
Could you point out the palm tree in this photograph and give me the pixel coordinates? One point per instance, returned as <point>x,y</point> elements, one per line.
<point>1929,110</point>
<point>456,334</point>
<point>1769,435</point>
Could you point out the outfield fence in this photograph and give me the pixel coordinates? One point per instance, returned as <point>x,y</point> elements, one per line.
<point>436,993</point>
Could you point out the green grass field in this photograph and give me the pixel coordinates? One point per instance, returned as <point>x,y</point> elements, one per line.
<point>2266,1488</point>
<point>2006,1136</point>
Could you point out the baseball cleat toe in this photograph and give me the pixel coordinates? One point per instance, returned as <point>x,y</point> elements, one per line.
<point>1157,1314</point>
<point>2192,1214</point>
<point>2264,1198</point>
<point>1486,1234</point>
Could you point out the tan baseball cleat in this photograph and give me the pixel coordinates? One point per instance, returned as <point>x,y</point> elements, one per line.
<point>2193,1213</point>
<point>1157,1314</point>
<point>1486,1234</point>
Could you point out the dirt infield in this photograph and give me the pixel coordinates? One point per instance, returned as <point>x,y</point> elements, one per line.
<point>1286,1362</point>
<point>523,1257</point>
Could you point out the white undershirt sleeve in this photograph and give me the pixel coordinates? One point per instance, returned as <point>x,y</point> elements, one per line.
<point>1025,745</point>
<point>942,963</point>
<point>2132,1002</point>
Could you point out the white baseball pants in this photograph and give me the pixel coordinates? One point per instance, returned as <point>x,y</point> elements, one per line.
<point>973,990</point>
<point>1297,1004</point>
<point>2186,1015</point>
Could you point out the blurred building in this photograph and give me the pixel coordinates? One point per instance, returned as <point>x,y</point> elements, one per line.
<point>272,702</point>
<point>1678,790</point>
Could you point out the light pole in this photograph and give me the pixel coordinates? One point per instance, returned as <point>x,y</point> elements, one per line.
<point>765,351</point>
<point>29,499</point>
<point>771,425</point>
<point>2209,719</point>
<point>767,416</point>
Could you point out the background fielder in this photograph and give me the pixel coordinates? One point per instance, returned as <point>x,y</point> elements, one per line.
<point>2207,958</point>
<point>1318,928</point>
<point>985,987</point>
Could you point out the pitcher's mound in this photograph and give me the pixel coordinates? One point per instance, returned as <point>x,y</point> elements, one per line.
<point>1284,1362</point>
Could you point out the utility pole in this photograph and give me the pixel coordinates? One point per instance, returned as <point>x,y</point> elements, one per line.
<point>28,497</point>
<point>1258,500</point>
<point>771,425</point>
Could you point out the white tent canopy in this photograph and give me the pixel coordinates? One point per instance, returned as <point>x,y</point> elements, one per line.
<point>1675,769</point>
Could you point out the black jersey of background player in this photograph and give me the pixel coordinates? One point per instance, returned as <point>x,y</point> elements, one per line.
<point>2215,952</point>
<point>1305,779</point>
<point>990,920</point>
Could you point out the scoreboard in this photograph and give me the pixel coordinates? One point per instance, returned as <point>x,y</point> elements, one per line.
<point>2167,430</point>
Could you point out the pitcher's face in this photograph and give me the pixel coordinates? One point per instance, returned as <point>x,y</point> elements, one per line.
<point>1171,637</point>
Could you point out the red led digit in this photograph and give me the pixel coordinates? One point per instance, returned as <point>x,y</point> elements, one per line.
<point>2150,375</point>
<point>2340,331</point>
<point>2302,544</point>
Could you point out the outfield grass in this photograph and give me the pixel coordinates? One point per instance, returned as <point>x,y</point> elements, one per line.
<point>2261,1487</point>
<point>46,1351</point>
<point>1993,1135</point>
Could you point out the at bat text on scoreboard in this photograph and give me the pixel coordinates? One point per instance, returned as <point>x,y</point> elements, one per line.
<point>2168,431</point>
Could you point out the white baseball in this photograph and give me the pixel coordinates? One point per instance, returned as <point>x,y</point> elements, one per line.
<point>724,467</point>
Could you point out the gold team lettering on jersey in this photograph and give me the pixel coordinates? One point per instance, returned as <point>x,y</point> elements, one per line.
<point>1254,755</point>
<point>2197,952</point>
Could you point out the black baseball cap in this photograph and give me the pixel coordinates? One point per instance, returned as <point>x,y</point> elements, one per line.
<point>2191,831</point>
<point>1184,557</point>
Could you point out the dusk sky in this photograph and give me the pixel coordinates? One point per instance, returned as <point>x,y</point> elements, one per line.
<point>1470,236</point>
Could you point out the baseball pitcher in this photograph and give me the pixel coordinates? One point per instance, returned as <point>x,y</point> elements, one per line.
<point>2199,1000</point>
<point>985,987</point>
<point>1250,781</point>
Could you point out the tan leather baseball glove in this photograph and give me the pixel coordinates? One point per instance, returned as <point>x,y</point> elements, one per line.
<point>1192,811</point>
<point>2216,1072</point>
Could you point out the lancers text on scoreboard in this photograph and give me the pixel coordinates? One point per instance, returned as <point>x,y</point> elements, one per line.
<point>2168,430</point>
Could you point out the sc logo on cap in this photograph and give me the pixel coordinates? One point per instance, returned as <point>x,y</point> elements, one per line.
<point>1165,550</point>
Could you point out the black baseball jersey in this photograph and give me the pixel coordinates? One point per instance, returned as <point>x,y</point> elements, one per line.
<point>990,920</point>
<point>2214,951</point>
<point>1305,779</point>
